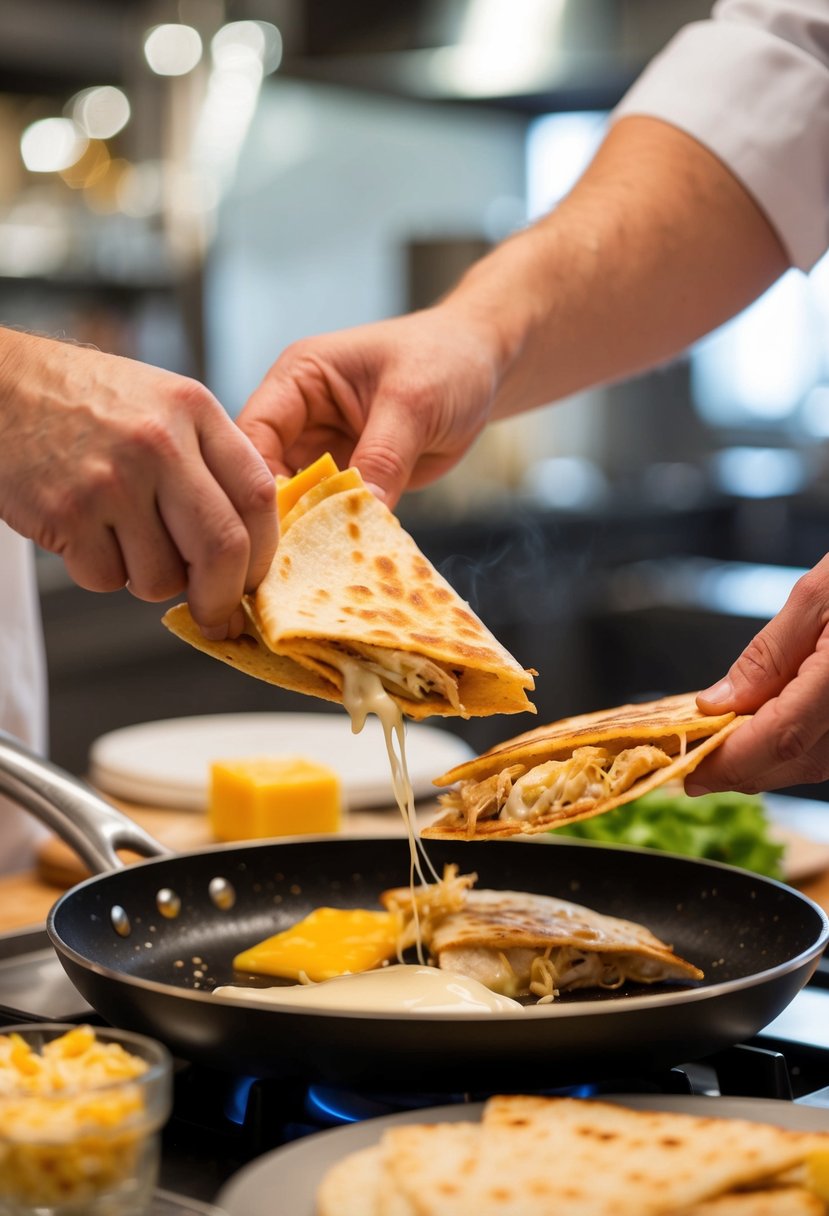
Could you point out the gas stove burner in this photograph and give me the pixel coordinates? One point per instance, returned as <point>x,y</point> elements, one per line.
<point>327,1106</point>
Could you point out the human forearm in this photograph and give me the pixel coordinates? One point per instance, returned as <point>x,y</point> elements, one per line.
<point>656,245</point>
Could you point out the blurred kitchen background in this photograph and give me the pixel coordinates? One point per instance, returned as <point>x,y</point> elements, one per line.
<point>198,183</point>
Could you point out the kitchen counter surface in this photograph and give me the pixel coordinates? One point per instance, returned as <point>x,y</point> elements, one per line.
<point>25,898</point>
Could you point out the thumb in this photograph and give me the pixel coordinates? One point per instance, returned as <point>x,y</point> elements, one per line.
<point>263,420</point>
<point>771,659</point>
<point>386,453</point>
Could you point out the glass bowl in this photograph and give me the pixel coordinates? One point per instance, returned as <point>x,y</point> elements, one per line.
<point>81,1109</point>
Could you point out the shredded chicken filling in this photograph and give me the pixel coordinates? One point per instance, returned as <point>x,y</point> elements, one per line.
<point>522,971</point>
<point>540,970</point>
<point>432,902</point>
<point>407,675</point>
<point>583,779</point>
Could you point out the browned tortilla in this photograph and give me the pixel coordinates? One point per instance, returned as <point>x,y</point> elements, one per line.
<point>663,725</point>
<point>347,579</point>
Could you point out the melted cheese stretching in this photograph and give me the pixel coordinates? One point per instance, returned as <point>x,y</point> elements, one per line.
<point>364,694</point>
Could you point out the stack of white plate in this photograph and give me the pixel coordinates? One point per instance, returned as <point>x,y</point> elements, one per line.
<point>167,763</point>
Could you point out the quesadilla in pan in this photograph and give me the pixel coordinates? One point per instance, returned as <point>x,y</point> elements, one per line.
<point>350,593</point>
<point>519,944</point>
<point>577,768</point>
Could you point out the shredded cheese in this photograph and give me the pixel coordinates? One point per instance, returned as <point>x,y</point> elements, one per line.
<point>70,1118</point>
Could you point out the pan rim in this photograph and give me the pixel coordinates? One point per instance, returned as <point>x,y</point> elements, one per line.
<point>571,1008</point>
<point>552,1012</point>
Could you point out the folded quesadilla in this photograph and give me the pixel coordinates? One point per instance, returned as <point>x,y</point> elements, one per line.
<point>349,593</point>
<point>539,1156</point>
<point>577,768</point>
<point>520,944</point>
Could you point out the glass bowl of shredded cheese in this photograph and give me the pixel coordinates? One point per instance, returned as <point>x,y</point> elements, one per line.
<point>81,1110</point>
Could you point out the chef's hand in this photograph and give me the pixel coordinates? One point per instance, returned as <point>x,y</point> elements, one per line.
<point>782,677</point>
<point>400,399</point>
<point>134,476</point>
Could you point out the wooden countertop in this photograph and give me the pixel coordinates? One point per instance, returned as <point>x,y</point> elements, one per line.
<point>25,899</point>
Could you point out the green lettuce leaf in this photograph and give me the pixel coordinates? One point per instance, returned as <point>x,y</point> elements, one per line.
<point>728,827</point>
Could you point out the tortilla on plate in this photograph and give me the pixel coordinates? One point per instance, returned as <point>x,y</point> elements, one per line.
<point>540,1156</point>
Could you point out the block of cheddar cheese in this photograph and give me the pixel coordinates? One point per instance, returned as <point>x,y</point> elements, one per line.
<point>257,797</point>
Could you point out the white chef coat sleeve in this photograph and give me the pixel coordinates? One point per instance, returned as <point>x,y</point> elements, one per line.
<point>22,687</point>
<point>752,85</point>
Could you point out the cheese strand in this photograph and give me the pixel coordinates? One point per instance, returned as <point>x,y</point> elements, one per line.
<point>363,693</point>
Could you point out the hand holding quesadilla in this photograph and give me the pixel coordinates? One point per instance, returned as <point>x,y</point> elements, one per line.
<point>349,592</point>
<point>577,768</point>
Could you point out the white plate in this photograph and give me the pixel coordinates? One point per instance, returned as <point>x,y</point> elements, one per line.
<point>293,1173</point>
<point>167,763</point>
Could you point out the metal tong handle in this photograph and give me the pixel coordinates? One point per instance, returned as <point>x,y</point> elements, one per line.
<point>71,809</point>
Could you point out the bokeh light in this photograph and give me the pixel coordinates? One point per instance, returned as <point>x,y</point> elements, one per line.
<point>100,112</point>
<point>172,49</point>
<point>51,145</point>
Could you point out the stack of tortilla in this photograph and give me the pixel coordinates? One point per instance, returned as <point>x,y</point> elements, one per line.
<point>348,585</point>
<point>533,1156</point>
<point>577,768</point>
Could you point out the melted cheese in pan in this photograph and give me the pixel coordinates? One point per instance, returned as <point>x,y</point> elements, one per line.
<point>396,989</point>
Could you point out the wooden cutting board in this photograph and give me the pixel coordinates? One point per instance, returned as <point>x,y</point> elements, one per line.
<point>188,831</point>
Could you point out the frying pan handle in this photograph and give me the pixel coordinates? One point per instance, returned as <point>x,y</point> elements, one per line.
<point>71,809</point>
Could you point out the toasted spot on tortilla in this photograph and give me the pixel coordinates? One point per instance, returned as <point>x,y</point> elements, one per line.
<point>464,615</point>
<point>357,556</point>
<point>354,531</point>
<point>359,591</point>
<point>392,589</point>
<point>416,599</point>
<point>441,594</point>
<point>385,565</point>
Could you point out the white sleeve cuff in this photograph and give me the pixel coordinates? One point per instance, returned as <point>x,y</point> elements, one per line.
<point>760,103</point>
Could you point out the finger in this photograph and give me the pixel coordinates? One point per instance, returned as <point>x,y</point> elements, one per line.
<point>781,735</point>
<point>155,569</point>
<point>96,563</point>
<point>388,449</point>
<point>277,413</point>
<point>212,540</point>
<point>808,770</point>
<point>249,485</point>
<point>773,657</point>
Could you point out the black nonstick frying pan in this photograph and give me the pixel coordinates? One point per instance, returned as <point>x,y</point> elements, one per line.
<point>145,945</point>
